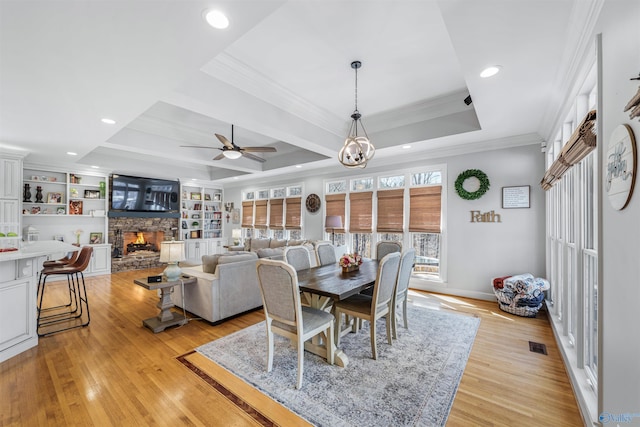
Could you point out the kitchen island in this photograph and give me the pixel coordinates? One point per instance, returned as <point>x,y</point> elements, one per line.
<point>18,287</point>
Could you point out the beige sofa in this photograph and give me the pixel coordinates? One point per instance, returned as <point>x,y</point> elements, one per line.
<point>273,247</point>
<point>227,286</point>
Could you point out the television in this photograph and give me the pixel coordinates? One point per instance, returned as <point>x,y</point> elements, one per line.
<point>139,194</point>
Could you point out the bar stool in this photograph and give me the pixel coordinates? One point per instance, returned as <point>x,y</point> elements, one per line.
<point>68,259</point>
<point>78,301</point>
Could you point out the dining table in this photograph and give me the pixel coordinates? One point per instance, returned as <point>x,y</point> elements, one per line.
<point>323,285</point>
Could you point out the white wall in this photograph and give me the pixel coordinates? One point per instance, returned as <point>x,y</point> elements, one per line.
<point>475,252</point>
<point>619,383</point>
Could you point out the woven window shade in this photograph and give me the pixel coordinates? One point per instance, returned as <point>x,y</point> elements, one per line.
<point>424,209</point>
<point>334,205</point>
<point>581,143</point>
<point>390,211</point>
<point>247,214</point>
<point>293,213</point>
<point>360,217</point>
<point>261,214</point>
<point>276,219</point>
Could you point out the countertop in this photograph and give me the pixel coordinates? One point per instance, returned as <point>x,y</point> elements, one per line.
<point>40,248</point>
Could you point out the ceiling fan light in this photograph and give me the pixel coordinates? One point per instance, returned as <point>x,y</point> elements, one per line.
<point>232,154</point>
<point>216,19</point>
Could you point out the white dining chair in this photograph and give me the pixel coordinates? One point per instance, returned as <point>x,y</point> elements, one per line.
<point>298,256</point>
<point>402,288</point>
<point>326,254</point>
<point>386,247</point>
<point>285,316</point>
<point>373,307</point>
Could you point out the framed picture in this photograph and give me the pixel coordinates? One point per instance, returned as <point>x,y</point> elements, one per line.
<point>54,198</point>
<point>195,196</point>
<point>207,196</point>
<point>516,197</point>
<point>35,210</point>
<point>235,215</point>
<point>75,207</point>
<point>59,237</point>
<point>91,194</point>
<point>61,211</point>
<point>95,238</point>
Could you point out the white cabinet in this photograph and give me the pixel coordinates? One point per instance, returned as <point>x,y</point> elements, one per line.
<point>214,246</point>
<point>100,260</point>
<point>10,173</point>
<point>194,249</point>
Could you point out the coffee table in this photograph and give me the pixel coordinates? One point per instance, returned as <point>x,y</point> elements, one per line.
<point>166,317</point>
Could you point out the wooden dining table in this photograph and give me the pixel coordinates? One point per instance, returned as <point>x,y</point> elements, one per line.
<point>323,285</point>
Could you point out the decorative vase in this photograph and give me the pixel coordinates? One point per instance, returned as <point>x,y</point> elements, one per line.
<point>26,195</point>
<point>38,194</point>
<point>103,188</point>
<point>350,268</point>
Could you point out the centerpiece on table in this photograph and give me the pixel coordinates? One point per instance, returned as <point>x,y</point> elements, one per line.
<point>350,262</point>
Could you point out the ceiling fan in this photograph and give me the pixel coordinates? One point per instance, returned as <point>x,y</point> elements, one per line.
<point>232,151</point>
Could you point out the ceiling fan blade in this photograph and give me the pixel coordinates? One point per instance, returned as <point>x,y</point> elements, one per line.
<point>252,157</point>
<point>224,141</point>
<point>219,156</point>
<point>259,149</point>
<point>199,146</point>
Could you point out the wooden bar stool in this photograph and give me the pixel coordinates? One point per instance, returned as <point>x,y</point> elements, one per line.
<point>78,304</point>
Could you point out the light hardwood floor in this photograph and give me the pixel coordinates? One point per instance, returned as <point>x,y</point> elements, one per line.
<point>116,372</point>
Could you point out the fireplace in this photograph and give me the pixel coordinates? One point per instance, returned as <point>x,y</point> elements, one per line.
<point>136,241</point>
<point>140,242</point>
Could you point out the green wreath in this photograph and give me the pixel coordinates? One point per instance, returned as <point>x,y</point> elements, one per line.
<point>469,173</point>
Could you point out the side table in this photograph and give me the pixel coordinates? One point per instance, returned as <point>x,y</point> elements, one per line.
<point>166,317</point>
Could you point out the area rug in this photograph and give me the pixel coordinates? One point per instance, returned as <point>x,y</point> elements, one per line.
<point>412,383</point>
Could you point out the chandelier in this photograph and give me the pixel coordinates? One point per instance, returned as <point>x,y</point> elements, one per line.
<point>357,150</point>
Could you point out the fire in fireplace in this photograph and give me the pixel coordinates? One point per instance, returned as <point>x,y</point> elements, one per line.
<point>142,241</point>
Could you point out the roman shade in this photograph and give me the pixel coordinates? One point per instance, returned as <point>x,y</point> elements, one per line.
<point>247,214</point>
<point>276,211</point>
<point>581,143</point>
<point>292,221</point>
<point>335,206</point>
<point>425,209</point>
<point>360,216</point>
<point>390,211</point>
<point>261,214</point>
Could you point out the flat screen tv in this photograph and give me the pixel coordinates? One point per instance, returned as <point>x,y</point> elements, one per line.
<point>139,194</point>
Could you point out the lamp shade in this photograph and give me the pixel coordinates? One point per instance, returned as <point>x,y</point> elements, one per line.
<point>333,221</point>
<point>172,251</point>
<point>236,233</point>
<point>232,154</point>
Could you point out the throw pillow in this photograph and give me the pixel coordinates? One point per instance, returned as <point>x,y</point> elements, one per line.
<point>209,263</point>
<point>275,243</point>
<point>259,244</point>
<point>237,258</point>
<point>269,252</point>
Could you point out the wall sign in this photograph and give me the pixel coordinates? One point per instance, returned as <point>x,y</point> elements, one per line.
<point>516,197</point>
<point>620,174</point>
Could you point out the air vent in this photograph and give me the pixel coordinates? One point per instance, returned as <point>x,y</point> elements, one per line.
<point>537,347</point>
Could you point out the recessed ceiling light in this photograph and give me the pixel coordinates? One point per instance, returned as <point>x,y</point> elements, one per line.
<point>490,71</point>
<point>216,19</point>
<point>95,167</point>
<point>71,153</point>
<point>406,146</point>
<point>108,121</point>
<point>298,166</point>
<point>235,177</point>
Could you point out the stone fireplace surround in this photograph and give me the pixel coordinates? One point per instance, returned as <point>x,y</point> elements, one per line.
<point>126,224</point>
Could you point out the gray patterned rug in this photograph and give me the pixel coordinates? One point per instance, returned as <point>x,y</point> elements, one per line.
<point>412,383</point>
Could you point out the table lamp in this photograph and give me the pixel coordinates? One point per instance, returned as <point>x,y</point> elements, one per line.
<point>172,252</point>
<point>236,235</point>
<point>333,222</point>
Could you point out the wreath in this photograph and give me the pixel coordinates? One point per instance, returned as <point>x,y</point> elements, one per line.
<point>469,173</point>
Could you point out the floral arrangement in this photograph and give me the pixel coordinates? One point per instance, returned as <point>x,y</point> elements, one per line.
<point>78,232</point>
<point>350,260</point>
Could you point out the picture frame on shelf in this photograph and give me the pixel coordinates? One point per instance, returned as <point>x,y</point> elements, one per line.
<point>54,198</point>
<point>35,210</point>
<point>75,207</point>
<point>207,197</point>
<point>516,197</point>
<point>195,196</point>
<point>58,237</point>
<point>95,238</point>
<point>61,211</point>
<point>91,194</point>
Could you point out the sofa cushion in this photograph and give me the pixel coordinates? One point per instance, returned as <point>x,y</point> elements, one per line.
<point>275,243</point>
<point>259,244</point>
<point>227,259</point>
<point>295,242</point>
<point>209,263</point>
<point>270,252</point>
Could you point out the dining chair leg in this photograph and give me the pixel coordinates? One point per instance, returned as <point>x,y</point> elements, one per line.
<point>300,363</point>
<point>374,349</point>
<point>330,345</point>
<point>394,322</point>
<point>389,321</point>
<point>404,313</point>
<point>269,348</point>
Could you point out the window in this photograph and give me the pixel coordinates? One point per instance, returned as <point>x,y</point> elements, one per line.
<point>386,182</point>
<point>278,193</point>
<point>276,214</point>
<point>293,213</point>
<point>390,211</point>
<point>247,214</point>
<point>337,187</point>
<point>424,224</point>
<point>426,178</point>
<point>361,221</point>
<point>249,196</point>
<point>294,191</point>
<point>361,184</point>
<point>260,212</point>
<point>263,194</point>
